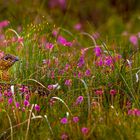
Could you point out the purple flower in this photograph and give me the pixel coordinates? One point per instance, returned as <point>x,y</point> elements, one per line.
<point>75,119</point>
<point>87,72</point>
<point>64,136</point>
<point>64,120</point>
<point>27,97</point>
<point>26,103</point>
<point>68,82</point>
<point>112,92</point>
<point>37,107</point>
<point>97,51</point>
<point>138,113</point>
<point>17,105</point>
<point>10,100</point>
<point>134,40</point>
<point>49,46</point>
<point>61,40</point>
<point>81,62</point>
<point>4,23</point>
<point>78,26</point>
<point>96,35</point>
<point>108,61</point>
<point>24,89</point>
<point>79,100</point>
<point>99,92</point>
<point>85,130</point>
<point>99,61</point>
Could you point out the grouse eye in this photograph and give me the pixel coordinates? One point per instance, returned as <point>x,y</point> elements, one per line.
<point>7,58</point>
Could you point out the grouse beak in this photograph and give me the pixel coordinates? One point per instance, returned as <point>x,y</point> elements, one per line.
<point>16,59</point>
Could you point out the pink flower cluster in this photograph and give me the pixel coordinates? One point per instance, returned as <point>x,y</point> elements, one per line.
<point>134,112</point>
<point>4,23</point>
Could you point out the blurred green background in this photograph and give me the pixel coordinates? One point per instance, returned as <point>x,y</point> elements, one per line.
<point>101,15</point>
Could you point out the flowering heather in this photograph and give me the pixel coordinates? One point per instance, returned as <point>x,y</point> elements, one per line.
<point>78,26</point>
<point>49,46</point>
<point>81,62</point>
<point>134,112</point>
<point>99,92</point>
<point>10,100</point>
<point>17,104</point>
<point>61,40</point>
<point>134,40</point>
<point>88,73</point>
<point>23,89</point>
<point>37,107</point>
<point>64,136</point>
<point>112,92</point>
<point>26,103</point>
<point>64,120</point>
<point>75,119</point>
<point>68,82</point>
<point>85,130</point>
<point>79,100</point>
<point>4,23</point>
<point>97,51</point>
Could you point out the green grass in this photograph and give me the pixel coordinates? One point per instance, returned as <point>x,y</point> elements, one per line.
<point>105,116</point>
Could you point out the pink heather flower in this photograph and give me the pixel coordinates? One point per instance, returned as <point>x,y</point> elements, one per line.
<point>49,46</point>
<point>17,104</point>
<point>64,136</point>
<point>97,50</point>
<point>23,89</point>
<point>27,97</point>
<point>99,62</point>
<point>10,100</point>
<point>64,120</point>
<point>20,39</point>
<point>23,109</point>
<point>96,35</point>
<point>87,73</point>
<point>138,113</point>
<point>52,87</point>
<point>4,23</point>
<point>55,33</point>
<point>81,62</point>
<point>85,130</point>
<point>80,74</point>
<point>8,93</point>
<point>68,82</point>
<point>26,103</point>
<point>67,66</point>
<point>68,44</point>
<point>134,112</point>
<point>99,92</point>
<point>79,100</point>
<point>52,101</point>
<point>108,61</point>
<point>78,26</point>
<point>134,40</point>
<point>112,92</point>
<point>37,107</point>
<point>61,40</point>
<point>75,119</point>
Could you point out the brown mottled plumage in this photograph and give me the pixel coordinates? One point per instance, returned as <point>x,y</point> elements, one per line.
<point>5,63</point>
